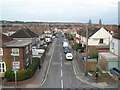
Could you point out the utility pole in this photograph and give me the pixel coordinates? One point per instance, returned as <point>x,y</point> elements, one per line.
<point>86,71</point>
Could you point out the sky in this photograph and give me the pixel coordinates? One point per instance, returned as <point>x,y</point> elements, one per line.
<point>60,10</point>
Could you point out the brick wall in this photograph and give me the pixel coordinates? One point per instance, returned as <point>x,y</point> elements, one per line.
<point>92,66</point>
<point>8,58</point>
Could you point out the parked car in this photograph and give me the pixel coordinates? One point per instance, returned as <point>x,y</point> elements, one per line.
<point>65,44</point>
<point>67,50</point>
<point>67,47</point>
<point>69,56</point>
<point>84,57</point>
<point>115,71</point>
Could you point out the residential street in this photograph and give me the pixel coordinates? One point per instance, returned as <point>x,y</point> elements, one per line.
<point>61,73</point>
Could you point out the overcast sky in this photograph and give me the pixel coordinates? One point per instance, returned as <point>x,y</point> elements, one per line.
<point>60,10</point>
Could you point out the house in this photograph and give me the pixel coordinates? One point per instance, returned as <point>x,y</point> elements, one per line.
<point>14,54</point>
<point>26,35</point>
<point>98,37</point>
<point>108,60</point>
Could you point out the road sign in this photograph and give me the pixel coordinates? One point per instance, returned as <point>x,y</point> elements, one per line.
<point>16,65</point>
<point>14,69</point>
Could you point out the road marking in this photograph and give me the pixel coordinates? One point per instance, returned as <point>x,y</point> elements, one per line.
<point>61,83</point>
<point>60,54</point>
<point>61,58</point>
<point>61,64</point>
<point>61,73</point>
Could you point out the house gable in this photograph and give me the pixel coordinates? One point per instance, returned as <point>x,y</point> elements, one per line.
<point>101,33</point>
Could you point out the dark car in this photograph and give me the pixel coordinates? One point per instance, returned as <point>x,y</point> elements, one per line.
<point>66,47</point>
<point>67,51</point>
<point>115,71</point>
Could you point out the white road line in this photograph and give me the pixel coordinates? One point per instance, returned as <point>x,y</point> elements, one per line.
<point>60,54</point>
<point>61,64</point>
<point>61,83</point>
<point>61,73</point>
<point>61,58</point>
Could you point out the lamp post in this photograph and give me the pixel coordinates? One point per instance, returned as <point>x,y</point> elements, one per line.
<point>86,71</point>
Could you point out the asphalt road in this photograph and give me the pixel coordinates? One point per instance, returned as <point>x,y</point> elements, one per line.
<point>61,73</point>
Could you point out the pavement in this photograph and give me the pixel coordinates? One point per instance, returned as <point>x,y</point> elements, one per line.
<point>72,73</point>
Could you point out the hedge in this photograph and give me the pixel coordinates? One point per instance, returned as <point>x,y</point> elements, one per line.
<point>23,74</point>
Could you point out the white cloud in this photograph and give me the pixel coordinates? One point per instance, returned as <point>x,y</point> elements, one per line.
<point>59,9</point>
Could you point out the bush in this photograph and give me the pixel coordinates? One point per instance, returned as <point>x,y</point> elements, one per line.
<point>9,75</point>
<point>23,74</point>
<point>93,53</point>
<point>77,46</point>
<point>34,65</point>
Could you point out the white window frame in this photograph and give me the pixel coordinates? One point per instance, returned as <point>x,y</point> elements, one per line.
<point>13,51</point>
<point>27,62</point>
<point>17,65</point>
<point>26,49</point>
<point>2,69</point>
<point>1,50</point>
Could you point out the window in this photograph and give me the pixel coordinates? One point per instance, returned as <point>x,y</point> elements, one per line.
<point>1,51</point>
<point>16,65</point>
<point>30,46</point>
<point>101,41</point>
<point>2,67</point>
<point>27,62</point>
<point>26,49</point>
<point>112,45</point>
<point>15,51</point>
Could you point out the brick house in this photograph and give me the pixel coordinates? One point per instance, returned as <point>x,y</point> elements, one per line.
<point>15,54</point>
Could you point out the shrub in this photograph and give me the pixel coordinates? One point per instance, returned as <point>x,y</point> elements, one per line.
<point>23,74</point>
<point>9,75</point>
<point>93,53</point>
<point>34,65</point>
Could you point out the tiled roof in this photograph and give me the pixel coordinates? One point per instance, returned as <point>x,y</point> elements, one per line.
<point>90,32</point>
<point>117,36</point>
<point>24,33</point>
<point>6,39</point>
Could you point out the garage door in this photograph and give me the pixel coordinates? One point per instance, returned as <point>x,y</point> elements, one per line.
<point>112,64</point>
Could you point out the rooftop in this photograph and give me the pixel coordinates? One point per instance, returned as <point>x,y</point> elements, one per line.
<point>109,56</point>
<point>18,43</point>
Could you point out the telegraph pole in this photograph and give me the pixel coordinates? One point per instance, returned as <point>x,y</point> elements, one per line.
<point>86,71</point>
